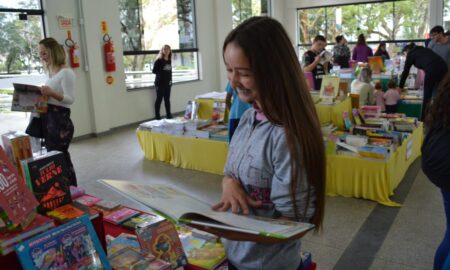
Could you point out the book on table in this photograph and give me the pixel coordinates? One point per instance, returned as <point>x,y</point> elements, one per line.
<point>17,202</point>
<point>73,245</point>
<point>182,208</point>
<point>28,98</point>
<point>47,177</point>
<point>9,239</point>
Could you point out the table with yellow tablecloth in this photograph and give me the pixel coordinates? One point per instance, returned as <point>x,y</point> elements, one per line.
<point>366,178</point>
<point>333,113</point>
<point>184,152</point>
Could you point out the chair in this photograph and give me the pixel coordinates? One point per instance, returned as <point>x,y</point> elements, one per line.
<point>355,100</point>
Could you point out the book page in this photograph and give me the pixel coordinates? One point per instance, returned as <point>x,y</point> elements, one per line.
<point>161,198</point>
<point>178,205</point>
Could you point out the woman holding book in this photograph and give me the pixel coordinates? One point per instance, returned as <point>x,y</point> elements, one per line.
<point>435,160</point>
<point>57,126</point>
<point>276,160</point>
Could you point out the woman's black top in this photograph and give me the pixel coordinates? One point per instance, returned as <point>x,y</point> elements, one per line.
<point>163,71</point>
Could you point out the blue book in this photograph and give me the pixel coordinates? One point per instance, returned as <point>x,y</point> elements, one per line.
<point>73,245</point>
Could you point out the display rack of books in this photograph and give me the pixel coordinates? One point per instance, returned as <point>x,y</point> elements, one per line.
<point>380,146</point>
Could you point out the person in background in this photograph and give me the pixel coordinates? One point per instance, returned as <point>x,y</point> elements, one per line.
<point>163,80</point>
<point>236,107</point>
<point>276,160</point>
<point>313,62</point>
<point>361,51</point>
<point>439,43</point>
<point>381,51</point>
<point>378,95</point>
<point>432,64</point>
<point>391,97</point>
<point>57,125</point>
<point>362,87</point>
<point>436,158</point>
<point>341,52</point>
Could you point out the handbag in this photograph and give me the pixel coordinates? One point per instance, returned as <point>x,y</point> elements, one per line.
<point>34,128</point>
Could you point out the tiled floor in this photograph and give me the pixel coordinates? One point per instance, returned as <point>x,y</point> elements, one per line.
<point>358,234</point>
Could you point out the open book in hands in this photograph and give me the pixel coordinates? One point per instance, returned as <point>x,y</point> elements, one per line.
<point>182,208</point>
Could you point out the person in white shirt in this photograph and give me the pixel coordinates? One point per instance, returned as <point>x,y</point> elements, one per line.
<point>57,126</point>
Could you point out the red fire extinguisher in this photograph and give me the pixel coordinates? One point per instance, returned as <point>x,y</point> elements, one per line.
<point>74,57</point>
<point>110,62</point>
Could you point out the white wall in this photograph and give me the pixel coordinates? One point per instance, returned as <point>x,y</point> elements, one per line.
<point>99,106</point>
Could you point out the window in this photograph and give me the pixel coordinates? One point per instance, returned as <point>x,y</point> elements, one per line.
<point>22,27</point>
<point>446,16</point>
<point>244,9</point>
<point>146,27</point>
<point>395,22</point>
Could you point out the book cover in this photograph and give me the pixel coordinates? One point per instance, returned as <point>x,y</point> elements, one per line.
<point>127,258</point>
<point>120,215</point>
<point>141,218</point>
<point>15,198</point>
<point>17,146</point>
<point>47,177</point>
<point>347,122</point>
<point>71,211</point>
<point>329,87</point>
<point>180,207</point>
<point>28,98</point>
<point>122,241</point>
<point>73,245</point>
<point>88,200</point>
<point>218,113</point>
<point>10,238</point>
<point>376,64</point>
<point>160,238</point>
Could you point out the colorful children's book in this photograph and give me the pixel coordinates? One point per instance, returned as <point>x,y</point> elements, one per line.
<point>88,200</point>
<point>134,221</point>
<point>17,146</point>
<point>329,87</point>
<point>28,98</point>
<point>347,121</point>
<point>125,258</point>
<point>9,239</point>
<point>160,238</point>
<point>73,245</point>
<point>120,215</point>
<point>122,241</point>
<point>16,200</point>
<point>182,208</point>
<point>376,64</point>
<point>70,211</point>
<point>46,176</point>
<point>218,113</point>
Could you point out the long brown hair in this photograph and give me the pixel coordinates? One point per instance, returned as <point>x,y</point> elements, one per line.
<point>438,114</point>
<point>286,102</point>
<point>161,53</point>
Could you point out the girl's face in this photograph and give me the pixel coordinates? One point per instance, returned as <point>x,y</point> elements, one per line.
<point>44,54</point>
<point>240,74</point>
<point>166,50</point>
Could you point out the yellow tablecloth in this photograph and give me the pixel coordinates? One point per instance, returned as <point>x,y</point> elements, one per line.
<point>333,113</point>
<point>369,178</point>
<point>365,178</point>
<point>184,152</point>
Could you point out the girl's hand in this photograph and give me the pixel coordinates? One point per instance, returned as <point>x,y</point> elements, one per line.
<point>235,197</point>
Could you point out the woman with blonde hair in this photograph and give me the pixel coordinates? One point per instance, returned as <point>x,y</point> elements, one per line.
<point>57,125</point>
<point>163,80</point>
<point>276,160</point>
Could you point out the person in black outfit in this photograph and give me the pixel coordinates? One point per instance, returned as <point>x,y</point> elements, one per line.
<point>314,62</point>
<point>434,66</point>
<point>163,80</point>
<point>381,51</point>
<point>436,159</point>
